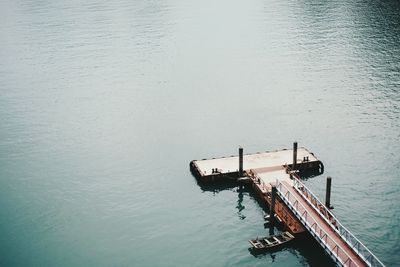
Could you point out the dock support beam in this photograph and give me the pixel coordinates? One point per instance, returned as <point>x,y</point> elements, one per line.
<point>272,208</point>
<point>328,193</point>
<point>294,167</point>
<point>240,161</point>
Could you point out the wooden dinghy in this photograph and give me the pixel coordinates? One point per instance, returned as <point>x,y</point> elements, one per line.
<point>273,241</point>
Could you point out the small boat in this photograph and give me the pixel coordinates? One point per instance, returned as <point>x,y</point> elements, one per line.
<point>273,241</point>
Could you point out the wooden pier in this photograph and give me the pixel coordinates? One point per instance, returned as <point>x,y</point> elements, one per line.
<point>276,178</point>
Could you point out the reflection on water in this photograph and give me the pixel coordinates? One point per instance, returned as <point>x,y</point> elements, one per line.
<point>240,206</point>
<point>103,104</point>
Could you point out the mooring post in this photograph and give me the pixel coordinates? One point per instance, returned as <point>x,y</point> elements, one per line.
<point>240,161</point>
<point>328,192</point>
<point>294,167</point>
<point>272,208</point>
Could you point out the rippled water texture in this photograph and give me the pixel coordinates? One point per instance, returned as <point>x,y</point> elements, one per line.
<point>104,103</point>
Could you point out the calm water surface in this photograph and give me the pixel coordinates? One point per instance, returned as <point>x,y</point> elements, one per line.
<point>104,103</point>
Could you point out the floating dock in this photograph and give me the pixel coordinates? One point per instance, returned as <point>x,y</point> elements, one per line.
<point>275,176</point>
<point>228,168</point>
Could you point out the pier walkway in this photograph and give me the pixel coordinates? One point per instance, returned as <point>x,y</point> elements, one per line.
<point>343,247</point>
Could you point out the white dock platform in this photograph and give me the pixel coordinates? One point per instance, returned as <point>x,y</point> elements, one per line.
<point>226,165</point>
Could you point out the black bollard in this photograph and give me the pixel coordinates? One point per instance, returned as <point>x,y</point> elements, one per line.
<point>240,161</point>
<point>294,167</point>
<point>272,207</point>
<point>328,192</point>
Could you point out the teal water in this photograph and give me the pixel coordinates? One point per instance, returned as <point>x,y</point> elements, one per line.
<point>104,103</point>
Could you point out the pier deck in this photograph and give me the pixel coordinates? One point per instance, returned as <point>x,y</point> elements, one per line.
<point>228,166</point>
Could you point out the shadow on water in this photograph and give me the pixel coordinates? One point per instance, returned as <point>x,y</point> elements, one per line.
<point>306,247</point>
<point>303,247</point>
<point>217,187</point>
<point>240,205</point>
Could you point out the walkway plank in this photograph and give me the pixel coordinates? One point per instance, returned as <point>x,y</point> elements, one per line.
<point>333,239</point>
